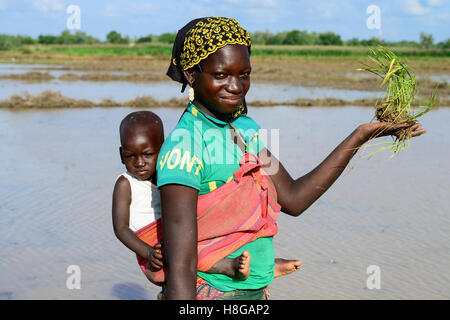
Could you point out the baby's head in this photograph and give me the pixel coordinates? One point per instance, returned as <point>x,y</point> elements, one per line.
<point>141,137</point>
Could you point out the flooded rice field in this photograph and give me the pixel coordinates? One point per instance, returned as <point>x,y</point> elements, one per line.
<point>59,168</point>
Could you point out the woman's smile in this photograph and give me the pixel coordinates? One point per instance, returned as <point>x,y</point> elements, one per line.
<point>232,99</point>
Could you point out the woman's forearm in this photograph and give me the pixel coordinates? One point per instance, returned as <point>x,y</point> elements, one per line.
<point>296,195</point>
<point>326,173</point>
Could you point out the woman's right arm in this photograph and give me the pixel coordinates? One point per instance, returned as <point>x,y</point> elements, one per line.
<point>296,195</point>
<point>179,223</point>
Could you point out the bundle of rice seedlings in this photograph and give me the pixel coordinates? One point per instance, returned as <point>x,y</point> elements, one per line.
<point>398,104</point>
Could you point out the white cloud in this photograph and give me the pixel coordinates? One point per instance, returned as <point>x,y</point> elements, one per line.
<point>262,3</point>
<point>139,8</point>
<point>329,10</point>
<point>111,10</point>
<point>127,9</point>
<point>269,3</point>
<point>147,6</point>
<point>48,5</point>
<point>414,7</point>
<point>435,3</point>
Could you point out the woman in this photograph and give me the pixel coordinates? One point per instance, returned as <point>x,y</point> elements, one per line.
<point>212,56</point>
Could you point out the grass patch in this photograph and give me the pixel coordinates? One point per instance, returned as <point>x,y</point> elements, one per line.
<point>94,50</point>
<point>165,50</point>
<point>55,100</point>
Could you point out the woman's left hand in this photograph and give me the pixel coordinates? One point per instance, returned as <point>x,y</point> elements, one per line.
<point>381,129</point>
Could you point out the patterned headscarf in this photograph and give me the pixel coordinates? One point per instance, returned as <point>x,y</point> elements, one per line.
<point>201,38</point>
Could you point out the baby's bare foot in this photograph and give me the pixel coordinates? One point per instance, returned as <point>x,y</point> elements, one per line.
<point>284,267</point>
<point>243,265</point>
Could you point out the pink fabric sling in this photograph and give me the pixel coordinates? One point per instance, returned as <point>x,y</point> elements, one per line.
<point>229,217</point>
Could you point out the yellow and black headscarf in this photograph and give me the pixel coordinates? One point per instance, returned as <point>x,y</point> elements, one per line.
<point>201,38</point>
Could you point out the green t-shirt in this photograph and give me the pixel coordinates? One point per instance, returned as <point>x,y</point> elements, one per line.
<point>200,153</point>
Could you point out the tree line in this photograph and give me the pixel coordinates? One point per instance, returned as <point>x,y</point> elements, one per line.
<point>293,37</point>
<point>297,37</point>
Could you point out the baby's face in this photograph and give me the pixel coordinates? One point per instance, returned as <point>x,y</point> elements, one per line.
<point>139,153</point>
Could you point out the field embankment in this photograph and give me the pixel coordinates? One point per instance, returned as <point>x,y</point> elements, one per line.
<point>302,66</point>
<point>55,100</point>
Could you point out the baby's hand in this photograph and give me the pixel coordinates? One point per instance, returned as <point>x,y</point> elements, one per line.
<point>156,258</point>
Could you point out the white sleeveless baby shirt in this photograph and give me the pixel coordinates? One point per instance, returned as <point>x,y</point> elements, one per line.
<point>145,204</point>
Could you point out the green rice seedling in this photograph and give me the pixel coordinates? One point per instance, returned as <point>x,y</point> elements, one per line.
<point>398,105</point>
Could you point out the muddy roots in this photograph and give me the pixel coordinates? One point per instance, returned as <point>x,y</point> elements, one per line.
<point>384,113</point>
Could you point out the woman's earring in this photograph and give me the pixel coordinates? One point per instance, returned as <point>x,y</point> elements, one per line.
<point>191,94</point>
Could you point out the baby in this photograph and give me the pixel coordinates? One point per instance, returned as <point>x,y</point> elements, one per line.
<point>136,200</point>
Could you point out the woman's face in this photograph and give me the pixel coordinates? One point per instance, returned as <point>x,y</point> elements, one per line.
<point>224,81</point>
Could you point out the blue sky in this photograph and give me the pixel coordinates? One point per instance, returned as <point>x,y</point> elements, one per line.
<point>399,19</point>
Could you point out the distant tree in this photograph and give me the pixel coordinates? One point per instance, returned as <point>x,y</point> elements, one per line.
<point>444,44</point>
<point>126,40</point>
<point>352,42</point>
<point>406,43</point>
<point>167,37</point>
<point>88,39</point>
<point>260,37</point>
<point>49,39</point>
<point>25,40</point>
<point>300,38</point>
<point>426,40</point>
<point>66,37</point>
<point>293,37</point>
<point>310,38</point>
<point>79,37</point>
<point>7,42</point>
<point>114,37</point>
<point>277,38</point>
<point>274,40</point>
<point>372,42</point>
<point>145,39</point>
<point>330,38</point>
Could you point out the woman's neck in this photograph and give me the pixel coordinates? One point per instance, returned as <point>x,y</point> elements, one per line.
<point>221,116</point>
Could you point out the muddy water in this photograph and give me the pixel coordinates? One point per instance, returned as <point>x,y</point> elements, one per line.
<point>59,168</point>
<point>122,91</point>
